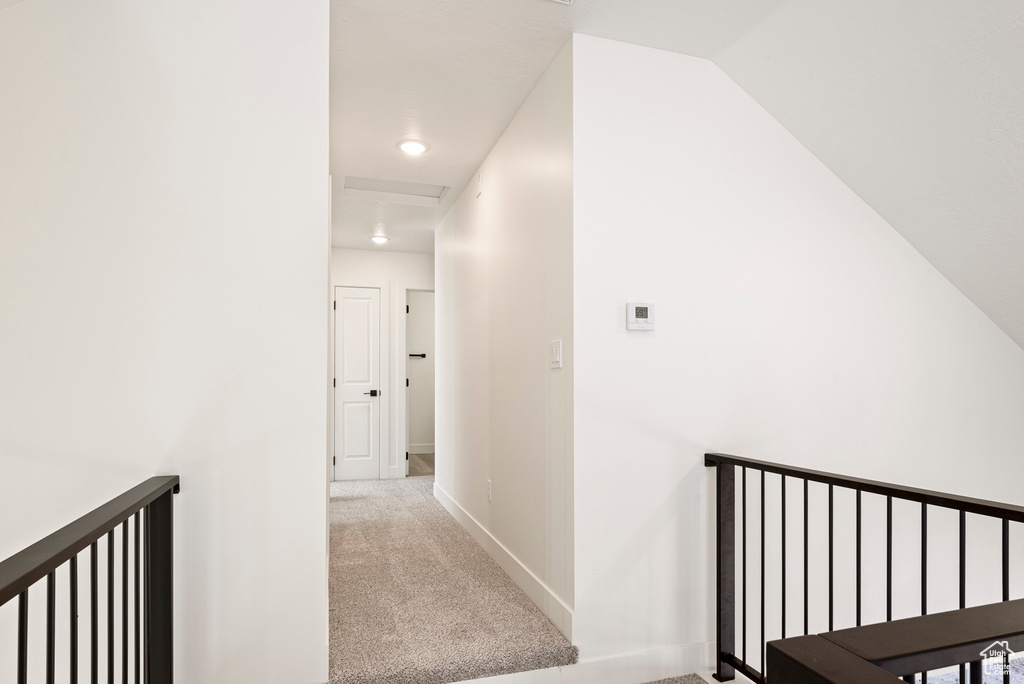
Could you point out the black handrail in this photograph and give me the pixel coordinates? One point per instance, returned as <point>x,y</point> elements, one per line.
<point>991,509</point>
<point>728,659</point>
<point>22,570</point>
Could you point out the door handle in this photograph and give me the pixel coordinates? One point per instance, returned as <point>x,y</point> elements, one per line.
<point>417,356</point>
<point>372,393</point>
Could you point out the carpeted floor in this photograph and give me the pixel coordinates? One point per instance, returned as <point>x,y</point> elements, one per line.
<point>414,600</point>
<point>685,679</point>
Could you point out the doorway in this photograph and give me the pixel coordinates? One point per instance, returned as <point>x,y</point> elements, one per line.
<point>357,383</point>
<point>419,376</point>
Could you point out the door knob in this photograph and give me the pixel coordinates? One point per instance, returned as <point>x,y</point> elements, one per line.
<point>372,393</point>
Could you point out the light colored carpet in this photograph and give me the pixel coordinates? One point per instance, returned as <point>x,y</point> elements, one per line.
<point>414,600</point>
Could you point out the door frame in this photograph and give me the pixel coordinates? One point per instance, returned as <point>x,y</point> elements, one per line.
<point>393,295</point>
<point>401,422</point>
<point>385,450</point>
<point>402,352</point>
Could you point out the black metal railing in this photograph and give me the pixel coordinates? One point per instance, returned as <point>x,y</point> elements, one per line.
<point>144,516</point>
<point>732,499</point>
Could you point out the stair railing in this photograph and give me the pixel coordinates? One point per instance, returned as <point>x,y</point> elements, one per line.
<point>732,615</point>
<point>145,517</point>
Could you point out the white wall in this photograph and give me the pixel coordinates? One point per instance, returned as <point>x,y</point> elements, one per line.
<point>504,291</point>
<point>394,273</point>
<point>793,324</point>
<point>163,282</point>
<point>356,267</point>
<point>420,340</point>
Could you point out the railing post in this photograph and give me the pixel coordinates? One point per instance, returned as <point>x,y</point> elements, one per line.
<point>726,570</point>
<point>159,598</point>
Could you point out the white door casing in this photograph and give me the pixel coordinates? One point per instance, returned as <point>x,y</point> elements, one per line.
<point>357,400</point>
<point>420,372</point>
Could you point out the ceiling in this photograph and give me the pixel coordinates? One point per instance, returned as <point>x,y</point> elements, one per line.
<point>453,73</point>
<point>917,105</point>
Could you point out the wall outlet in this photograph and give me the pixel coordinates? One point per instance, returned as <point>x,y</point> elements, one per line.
<point>488,490</point>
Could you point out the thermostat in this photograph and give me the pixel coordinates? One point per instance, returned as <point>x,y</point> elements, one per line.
<point>639,316</point>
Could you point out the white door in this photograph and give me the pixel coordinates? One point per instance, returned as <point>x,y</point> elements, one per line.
<point>357,383</point>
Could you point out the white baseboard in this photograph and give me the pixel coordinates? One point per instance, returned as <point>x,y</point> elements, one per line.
<point>538,592</point>
<point>421,448</point>
<point>629,668</point>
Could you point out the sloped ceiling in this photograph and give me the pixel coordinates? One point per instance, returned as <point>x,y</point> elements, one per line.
<point>917,105</point>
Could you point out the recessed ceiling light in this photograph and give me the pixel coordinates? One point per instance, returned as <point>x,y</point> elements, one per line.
<point>380,239</point>
<point>413,147</point>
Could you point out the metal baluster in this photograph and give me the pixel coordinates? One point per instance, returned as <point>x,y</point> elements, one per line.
<point>763,476</point>
<point>858,556</point>
<point>831,557</point>
<point>147,592</point>
<point>1006,559</point>
<point>110,607</point>
<point>1006,589</point>
<point>726,548</point>
<point>743,569</point>
<point>73,621</point>
<point>888,558</point>
<point>963,585</point>
<point>94,604</point>
<point>924,559</point>
<point>783,556</point>
<point>124,602</point>
<point>23,637</point>
<point>806,555</point>
<point>51,625</point>
<point>138,650</point>
<point>159,639</point>
<point>924,570</point>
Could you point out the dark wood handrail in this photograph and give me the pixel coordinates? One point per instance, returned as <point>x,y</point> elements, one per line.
<point>961,503</point>
<point>25,568</point>
<point>814,659</point>
<point>900,647</point>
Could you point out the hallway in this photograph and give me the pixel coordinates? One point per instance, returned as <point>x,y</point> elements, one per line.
<point>413,598</point>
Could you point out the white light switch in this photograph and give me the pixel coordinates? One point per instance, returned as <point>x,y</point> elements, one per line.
<point>556,353</point>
